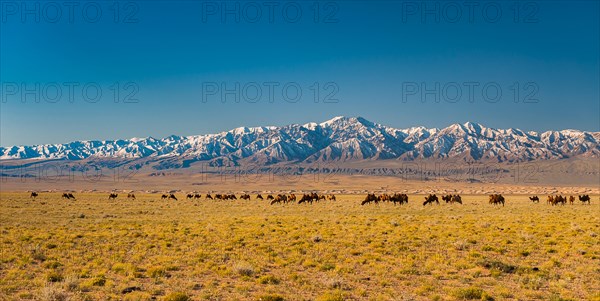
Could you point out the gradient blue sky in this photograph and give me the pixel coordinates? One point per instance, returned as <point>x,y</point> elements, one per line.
<point>369,52</point>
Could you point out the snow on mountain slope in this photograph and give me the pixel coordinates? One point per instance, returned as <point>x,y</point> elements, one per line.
<point>338,139</point>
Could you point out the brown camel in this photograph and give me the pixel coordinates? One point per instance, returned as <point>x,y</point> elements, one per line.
<point>585,198</point>
<point>430,199</point>
<point>370,198</point>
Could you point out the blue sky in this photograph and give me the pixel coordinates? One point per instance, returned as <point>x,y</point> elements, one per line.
<point>365,58</point>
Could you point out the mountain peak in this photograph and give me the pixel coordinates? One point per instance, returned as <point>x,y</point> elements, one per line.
<point>343,120</point>
<point>334,120</point>
<point>474,127</point>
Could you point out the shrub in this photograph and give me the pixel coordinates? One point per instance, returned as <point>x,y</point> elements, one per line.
<point>332,296</point>
<point>38,255</point>
<point>327,267</point>
<point>99,281</point>
<point>177,296</point>
<point>268,279</point>
<point>53,265</point>
<point>71,282</point>
<point>472,293</point>
<point>244,269</point>
<point>501,266</point>
<point>52,293</point>
<point>156,272</point>
<point>137,296</point>
<point>54,277</point>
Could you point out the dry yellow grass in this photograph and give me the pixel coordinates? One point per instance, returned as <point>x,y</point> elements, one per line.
<point>93,249</point>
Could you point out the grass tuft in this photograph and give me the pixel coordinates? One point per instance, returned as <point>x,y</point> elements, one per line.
<point>472,293</point>
<point>244,269</point>
<point>177,296</point>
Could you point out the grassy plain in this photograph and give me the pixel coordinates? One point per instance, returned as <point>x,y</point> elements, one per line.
<point>95,249</point>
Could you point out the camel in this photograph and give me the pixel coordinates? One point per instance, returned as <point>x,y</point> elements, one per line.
<point>259,197</point>
<point>404,198</point>
<point>571,199</point>
<point>315,197</point>
<point>456,199</point>
<point>331,197</point>
<point>447,198</point>
<point>131,196</point>
<point>197,196</point>
<point>550,200</point>
<point>245,197</point>
<point>164,197</point>
<point>281,198</point>
<point>370,198</point>
<point>430,199</point>
<point>534,199</point>
<point>585,198</point>
<point>208,196</point>
<point>306,198</point>
<point>33,195</point>
<point>172,197</point>
<point>113,196</point>
<point>189,196</point>
<point>270,197</point>
<point>562,200</point>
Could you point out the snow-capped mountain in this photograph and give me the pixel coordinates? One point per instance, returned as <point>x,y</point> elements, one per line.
<point>338,139</point>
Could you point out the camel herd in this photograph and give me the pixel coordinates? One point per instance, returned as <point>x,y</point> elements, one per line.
<point>396,198</point>
<point>449,199</point>
<point>452,198</point>
<point>371,198</point>
<point>496,199</point>
<point>562,200</point>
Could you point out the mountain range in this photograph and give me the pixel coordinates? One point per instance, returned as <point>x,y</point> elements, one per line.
<point>341,139</point>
